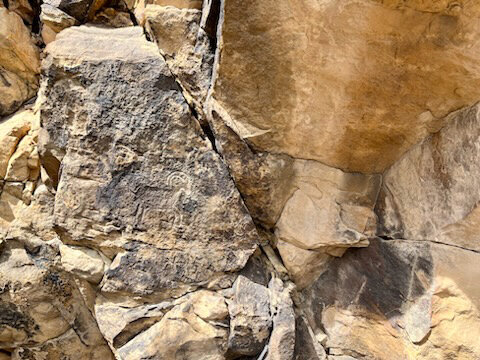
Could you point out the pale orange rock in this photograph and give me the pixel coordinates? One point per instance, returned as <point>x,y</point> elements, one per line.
<point>19,63</point>
<point>352,84</point>
<point>12,130</point>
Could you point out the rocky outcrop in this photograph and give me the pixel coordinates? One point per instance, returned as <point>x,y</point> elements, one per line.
<point>389,301</point>
<point>423,194</point>
<point>158,187</point>
<point>19,63</point>
<point>350,84</point>
<point>19,164</point>
<point>222,180</point>
<point>43,311</point>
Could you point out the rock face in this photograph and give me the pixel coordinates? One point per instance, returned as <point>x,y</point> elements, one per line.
<point>350,84</point>
<point>42,310</point>
<point>158,189</point>
<point>19,164</point>
<point>389,301</point>
<point>328,212</point>
<point>226,180</point>
<point>186,46</point>
<point>19,63</point>
<point>423,194</point>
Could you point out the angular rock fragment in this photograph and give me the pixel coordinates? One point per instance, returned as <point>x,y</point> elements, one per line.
<point>112,18</point>
<point>33,224</point>
<point>140,6</point>
<point>23,8</point>
<point>85,263</point>
<point>53,21</point>
<point>75,8</point>
<point>180,334</point>
<point>432,193</point>
<point>137,173</point>
<point>12,130</point>
<point>264,180</point>
<point>306,345</point>
<point>66,346</point>
<point>188,50</point>
<point>250,319</point>
<point>282,340</point>
<point>19,63</point>
<point>329,211</point>
<point>119,323</point>
<point>208,305</point>
<point>19,164</point>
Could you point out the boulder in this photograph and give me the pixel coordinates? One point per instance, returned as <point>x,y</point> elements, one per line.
<point>19,63</point>
<point>140,5</point>
<point>85,263</point>
<point>250,319</point>
<point>120,322</point>
<point>180,334</point>
<point>53,21</point>
<point>75,8</point>
<point>390,300</point>
<point>352,84</point>
<point>329,211</point>
<point>138,175</point>
<point>433,191</point>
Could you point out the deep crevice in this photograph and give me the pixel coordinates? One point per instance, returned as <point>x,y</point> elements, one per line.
<point>36,6</point>
<point>205,126</point>
<point>132,16</point>
<point>211,24</point>
<point>210,136</point>
<point>385,237</point>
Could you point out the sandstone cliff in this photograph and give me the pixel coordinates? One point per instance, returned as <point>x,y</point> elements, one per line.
<point>225,179</point>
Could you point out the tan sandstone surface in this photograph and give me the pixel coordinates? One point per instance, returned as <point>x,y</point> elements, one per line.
<point>239,180</point>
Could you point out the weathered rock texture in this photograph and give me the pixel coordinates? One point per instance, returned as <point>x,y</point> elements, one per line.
<point>352,84</point>
<point>137,173</point>
<point>19,164</point>
<point>19,63</point>
<point>221,180</point>
<point>432,192</point>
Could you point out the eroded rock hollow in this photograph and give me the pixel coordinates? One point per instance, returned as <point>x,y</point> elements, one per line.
<point>224,179</point>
